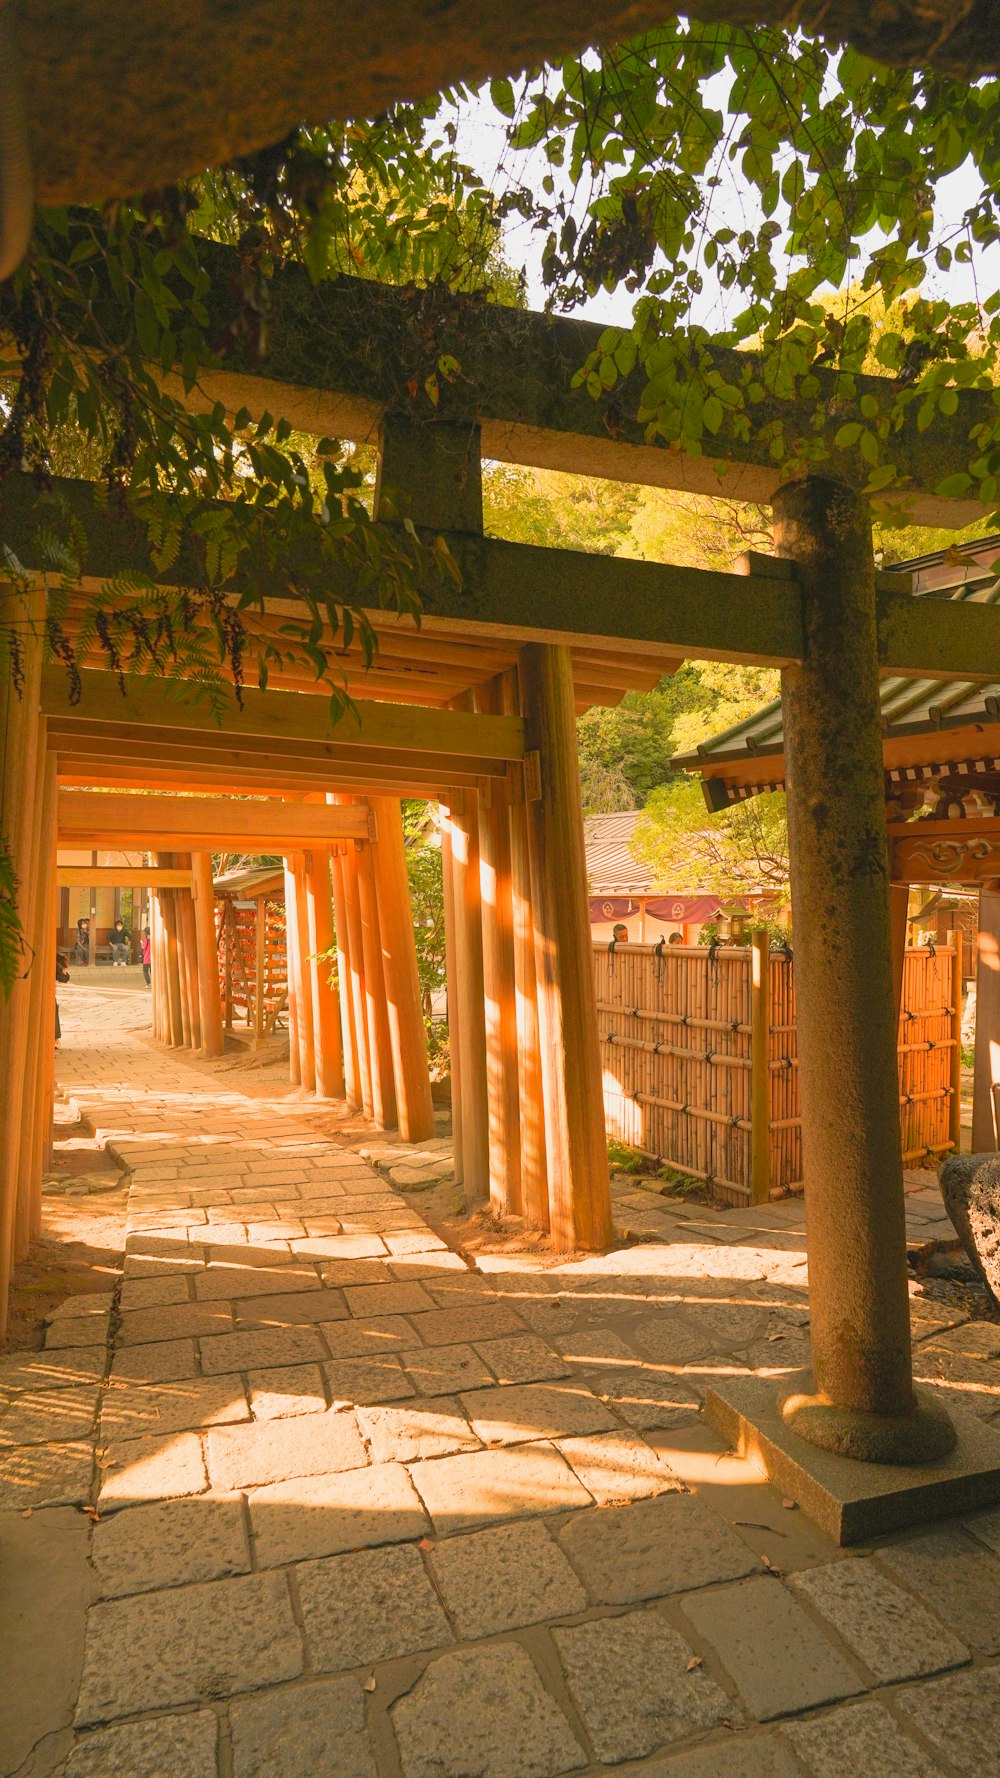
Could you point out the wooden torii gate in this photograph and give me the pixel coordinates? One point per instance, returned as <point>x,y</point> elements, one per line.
<point>556,625</point>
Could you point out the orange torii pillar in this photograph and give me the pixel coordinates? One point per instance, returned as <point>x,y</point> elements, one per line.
<point>187,957</point>
<point>328,1055</point>
<point>376,1006</point>
<point>302,1057</point>
<point>356,960</point>
<point>531,1095</point>
<point>500,999</point>
<point>20,786</point>
<point>576,1144</point>
<point>451,986</point>
<point>348,1032</point>
<point>209,994</point>
<point>407,1036</point>
<point>41,1012</point>
<point>466,993</point>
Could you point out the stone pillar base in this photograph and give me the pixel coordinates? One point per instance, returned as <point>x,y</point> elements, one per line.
<point>922,1435</point>
<point>850,1500</point>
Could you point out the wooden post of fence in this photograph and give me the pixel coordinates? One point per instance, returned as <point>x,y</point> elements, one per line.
<point>955,1118</point>
<point>760,1068</point>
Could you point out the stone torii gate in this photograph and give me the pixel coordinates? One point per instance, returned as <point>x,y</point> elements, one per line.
<point>515,886</point>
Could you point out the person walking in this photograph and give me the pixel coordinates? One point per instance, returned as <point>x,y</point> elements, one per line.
<point>120,941</point>
<point>146,955</point>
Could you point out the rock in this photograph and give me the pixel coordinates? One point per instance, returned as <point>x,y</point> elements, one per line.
<point>970,1186</point>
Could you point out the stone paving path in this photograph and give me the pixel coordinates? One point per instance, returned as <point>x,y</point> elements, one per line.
<point>352,1509</point>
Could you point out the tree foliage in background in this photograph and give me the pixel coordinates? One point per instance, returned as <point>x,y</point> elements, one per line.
<point>742,848</point>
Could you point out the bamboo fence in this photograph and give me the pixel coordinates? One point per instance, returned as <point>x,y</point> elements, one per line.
<point>700,1060</point>
<point>253,965</point>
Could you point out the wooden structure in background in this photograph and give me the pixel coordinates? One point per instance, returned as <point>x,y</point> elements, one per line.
<point>700,1062</point>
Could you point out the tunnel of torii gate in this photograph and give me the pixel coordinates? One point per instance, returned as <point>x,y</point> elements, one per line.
<point>476,708</point>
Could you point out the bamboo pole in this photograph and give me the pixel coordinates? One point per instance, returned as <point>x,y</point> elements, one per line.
<point>209,1000</point>
<point>407,1036</point>
<point>188,958</point>
<point>376,1007</point>
<point>356,956</point>
<point>760,1072</point>
<point>175,1026</point>
<point>329,1061</point>
<point>293,978</point>
<point>348,1035</point>
<point>899,900</point>
<point>451,988</point>
<point>531,1098</point>
<point>579,1187</point>
<point>260,967</point>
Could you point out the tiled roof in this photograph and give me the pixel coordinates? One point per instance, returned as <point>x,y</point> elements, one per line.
<point>909,706</point>
<point>612,867</point>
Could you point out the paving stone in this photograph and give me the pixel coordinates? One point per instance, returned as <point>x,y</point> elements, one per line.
<point>617,1466</point>
<point>517,1412</point>
<point>960,1716</point>
<point>953,1572</point>
<point>478,1487</point>
<point>443,1370</point>
<point>325,1515</point>
<point>51,1370</point>
<point>234,1283</point>
<point>287,1389</point>
<point>388,1299</point>
<point>338,1272</point>
<point>297,1310</point>
<point>458,1326</point>
<point>161,1747</point>
<point>430,1264</point>
<point>273,1450</point>
<point>629,1679</point>
<point>167,1361</point>
<point>36,1416</point>
<point>415,1240</point>
<point>771,1648</point>
<point>45,1475</point>
<point>404,1432</point>
<point>80,1332</point>
<point>513,1729</point>
<point>668,1544</point>
<point>136,1469</point>
<point>170,1544</point>
<point>503,1578</point>
<point>206,1641</point>
<point>591,1347</point>
<point>130,1410</point>
<point>374,1605</point>
<point>303,1731</point>
<point>646,1399</point>
<point>863,1739</point>
<point>257,1349</point>
<point>367,1380</point>
<point>741,1756</point>
<point>154,1293</point>
<point>73,1308</point>
<point>986,1526</point>
<point>373,1335</point>
<point>340,1247</point>
<point>884,1627</point>
<point>523,1358</point>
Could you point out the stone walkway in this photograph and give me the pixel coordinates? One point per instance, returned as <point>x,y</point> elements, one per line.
<point>311,1498</point>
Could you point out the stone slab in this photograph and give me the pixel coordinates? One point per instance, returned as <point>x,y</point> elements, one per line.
<point>187,1645</point>
<point>369,1337</point>
<point>652,1548</point>
<point>46,1586</point>
<point>517,1412</point>
<point>406,1432</point>
<point>480,1487</point>
<point>522,1358</point>
<point>45,1475</point>
<point>170,1543</point>
<point>287,1389</point>
<point>372,1605</point>
<point>135,1410</point>
<point>304,1731</point>
<point>327,1515</point>
<point>852,1501</point>
<point>778,1659</point>
<point>635,1685</point>
<point>365,1381</point>
<point>141,1469</point>
<point>468,1324</point>
<point>254,1349</point>
<point>888,1630</point>
<point>953,1572</point>
<point>443,1370</point>
<point>618,1466</point>
<point>166,1747</point>
<point>483,1711</point>
<point>646,1399</point>
<point>35,1416</point>
<point>273,1450</point>
<point>862,1739</point>
<point>740,1756</point>
<point>960,1717</point>
<point>504,1578</point>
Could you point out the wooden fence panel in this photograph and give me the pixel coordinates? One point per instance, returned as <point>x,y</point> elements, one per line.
<point>676,1055</point>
